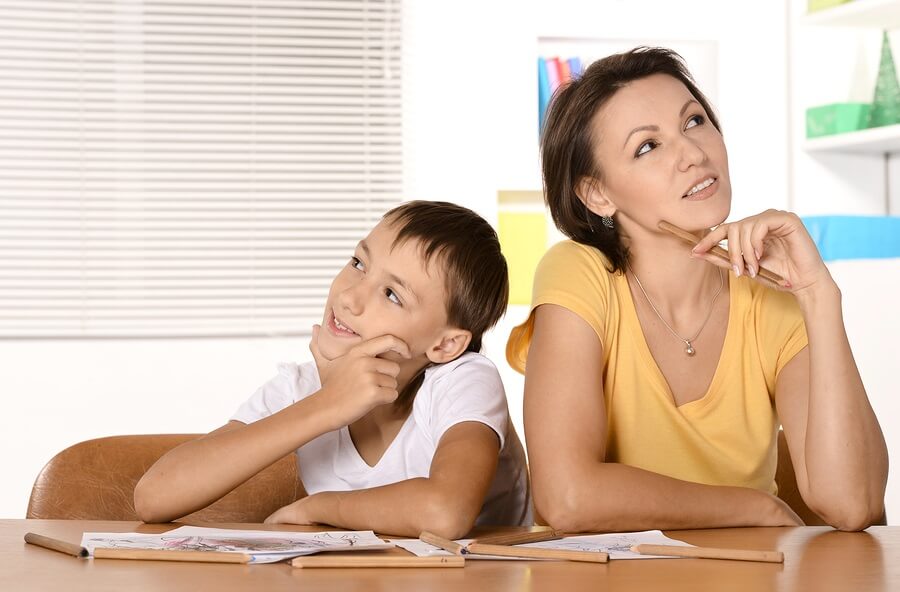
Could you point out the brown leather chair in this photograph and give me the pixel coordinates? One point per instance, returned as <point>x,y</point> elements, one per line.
<point>95,479</point>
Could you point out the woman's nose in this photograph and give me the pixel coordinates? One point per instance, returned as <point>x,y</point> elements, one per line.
<point>691,154</point>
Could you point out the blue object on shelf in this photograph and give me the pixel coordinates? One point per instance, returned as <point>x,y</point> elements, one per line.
<point>855,237</point>
<point>544,92</point>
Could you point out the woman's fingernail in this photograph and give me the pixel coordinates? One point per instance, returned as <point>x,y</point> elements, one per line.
<point>752,271</point>
<point>737,270</point>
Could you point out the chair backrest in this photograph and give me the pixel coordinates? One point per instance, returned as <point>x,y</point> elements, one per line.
<point>95,479</point>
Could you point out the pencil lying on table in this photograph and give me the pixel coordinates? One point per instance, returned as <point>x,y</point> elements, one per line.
<point>170,555</point>
<point>537,553</point>
<point>343,560</point>
<point>518,538</point>
<point>482,548</point>
<point>718,251</point>
<point>46,542</point>
<point>710,553</point>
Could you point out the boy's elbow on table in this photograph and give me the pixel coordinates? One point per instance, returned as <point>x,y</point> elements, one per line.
<point>445,515</point>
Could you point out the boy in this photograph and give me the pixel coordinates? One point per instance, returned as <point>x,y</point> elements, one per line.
<point>399,424</point>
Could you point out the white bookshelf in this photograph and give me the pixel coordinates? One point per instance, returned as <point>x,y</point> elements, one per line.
<point>878,14</point>
<point>876,140</point>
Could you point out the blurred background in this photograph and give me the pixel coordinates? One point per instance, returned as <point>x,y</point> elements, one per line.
<point>180,180</point>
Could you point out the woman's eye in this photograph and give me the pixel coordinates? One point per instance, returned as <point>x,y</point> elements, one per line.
<point>645,148</point>
<point>392,296</point>
<point>695,121</point>
<point>356,263</point>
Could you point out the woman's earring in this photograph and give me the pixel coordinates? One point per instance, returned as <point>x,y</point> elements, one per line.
<point>607,221</point>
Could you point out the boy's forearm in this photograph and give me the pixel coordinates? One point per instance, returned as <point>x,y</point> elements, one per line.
<point>405,508</point>
<point>198,472</point>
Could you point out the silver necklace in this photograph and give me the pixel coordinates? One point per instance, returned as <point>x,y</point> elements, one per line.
<point>689,348</point>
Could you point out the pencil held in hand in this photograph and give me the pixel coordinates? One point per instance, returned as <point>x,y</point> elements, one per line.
<point>718,251</point>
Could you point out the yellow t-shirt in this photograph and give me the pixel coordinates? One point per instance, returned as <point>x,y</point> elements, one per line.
<point>727,437</point>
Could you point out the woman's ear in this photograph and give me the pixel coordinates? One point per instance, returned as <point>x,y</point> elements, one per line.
<point>594,197</point>
<point>452,344</point>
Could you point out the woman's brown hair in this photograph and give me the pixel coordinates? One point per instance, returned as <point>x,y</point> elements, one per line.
<point>566,142</point>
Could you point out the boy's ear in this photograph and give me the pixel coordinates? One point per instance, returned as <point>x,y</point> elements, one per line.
<point>594,197</point>
<point>452,344</point>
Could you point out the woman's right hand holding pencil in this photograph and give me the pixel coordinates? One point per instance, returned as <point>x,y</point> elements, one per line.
<point>355,383</point>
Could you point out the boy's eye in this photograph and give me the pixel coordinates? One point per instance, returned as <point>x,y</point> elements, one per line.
<point>695,121</point>
<point>645,148</point>
<point>392,296</point>
<point>356,263</point>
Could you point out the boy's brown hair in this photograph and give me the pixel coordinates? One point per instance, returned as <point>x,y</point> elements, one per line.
<point>476,280</point>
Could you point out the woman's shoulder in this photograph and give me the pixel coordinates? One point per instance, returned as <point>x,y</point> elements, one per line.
<point>573,253</point>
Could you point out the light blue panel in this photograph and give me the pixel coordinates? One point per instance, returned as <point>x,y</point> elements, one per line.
<point>855,237</point>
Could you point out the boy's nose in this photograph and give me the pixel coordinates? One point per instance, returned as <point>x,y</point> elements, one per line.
<point>352,298</point>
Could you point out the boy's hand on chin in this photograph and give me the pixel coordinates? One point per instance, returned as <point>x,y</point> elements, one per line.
<point>360,380</point>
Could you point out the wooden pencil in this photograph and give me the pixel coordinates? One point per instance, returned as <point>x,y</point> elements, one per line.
<point>344,560</point>
<point>718,251</point>
<point>710,553</point>
<point>519,538</point>
<point>537,553</point>
<point>439,541</point>
<point>46,542</point>
<point>170,555</point>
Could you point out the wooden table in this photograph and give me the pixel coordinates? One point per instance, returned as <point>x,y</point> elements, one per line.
<point>816,558</point>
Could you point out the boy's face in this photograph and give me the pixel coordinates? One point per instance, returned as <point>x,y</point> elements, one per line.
<point>385,290</point>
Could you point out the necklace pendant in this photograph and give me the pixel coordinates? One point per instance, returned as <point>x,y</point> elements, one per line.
<point>689,350</point>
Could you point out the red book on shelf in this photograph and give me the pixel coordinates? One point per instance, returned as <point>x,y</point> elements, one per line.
<point>565,73</point>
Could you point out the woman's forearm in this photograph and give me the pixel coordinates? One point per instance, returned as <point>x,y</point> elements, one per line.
<point>598,497</point>
<point>845,453</point>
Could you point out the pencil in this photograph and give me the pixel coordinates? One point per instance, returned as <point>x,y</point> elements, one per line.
<point>170,555</point>
<point>710,553</point>
<point>718,251</point>
<point>348,560</point>
<point>439,541</point>
<point>55,544</point>
<point>521,537</point>
<point>536,553</point>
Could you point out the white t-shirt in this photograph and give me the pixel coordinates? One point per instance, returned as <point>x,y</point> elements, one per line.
<point>466,389</point>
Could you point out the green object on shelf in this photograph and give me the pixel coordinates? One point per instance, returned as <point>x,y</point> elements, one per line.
<point>886,104</point>
<point>837,118</point>
<point>814,5</point>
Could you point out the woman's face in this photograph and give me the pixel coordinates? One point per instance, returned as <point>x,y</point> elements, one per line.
<point>660,158</point>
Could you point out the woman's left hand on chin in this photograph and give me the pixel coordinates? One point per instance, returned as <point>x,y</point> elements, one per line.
<point>775,240</point>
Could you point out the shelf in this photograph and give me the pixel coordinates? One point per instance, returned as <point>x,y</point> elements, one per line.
<point>877,140</point>
<point>879,14</point>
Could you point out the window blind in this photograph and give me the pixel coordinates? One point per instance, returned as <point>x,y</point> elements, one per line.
<point>179,168</point>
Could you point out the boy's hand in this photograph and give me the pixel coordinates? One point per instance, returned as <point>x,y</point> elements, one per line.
<point>359,380</point>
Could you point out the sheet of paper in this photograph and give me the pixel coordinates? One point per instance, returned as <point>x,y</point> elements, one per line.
<point>617,545</point>
<point>264,546</point>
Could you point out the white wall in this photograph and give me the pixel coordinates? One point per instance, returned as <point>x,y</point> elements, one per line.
<point>470,84</point>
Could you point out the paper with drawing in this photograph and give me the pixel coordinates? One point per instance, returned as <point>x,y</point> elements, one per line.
<point>617,545</point>
<point>264,546</point>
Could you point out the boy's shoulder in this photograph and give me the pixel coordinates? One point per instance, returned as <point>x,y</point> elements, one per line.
<point>468,363</point>
<point>296,380</point>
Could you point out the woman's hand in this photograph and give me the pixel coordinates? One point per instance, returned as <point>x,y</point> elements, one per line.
<point>774,239</point>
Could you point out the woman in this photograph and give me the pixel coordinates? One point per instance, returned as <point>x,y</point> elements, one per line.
<point>657,375</point>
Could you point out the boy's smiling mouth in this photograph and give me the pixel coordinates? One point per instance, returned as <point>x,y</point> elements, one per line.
<point>338,328</point>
